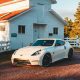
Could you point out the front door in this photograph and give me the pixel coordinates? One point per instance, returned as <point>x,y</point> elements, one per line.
<point>38,31</point>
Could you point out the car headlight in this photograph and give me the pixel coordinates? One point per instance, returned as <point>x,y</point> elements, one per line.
<point>36,53</point>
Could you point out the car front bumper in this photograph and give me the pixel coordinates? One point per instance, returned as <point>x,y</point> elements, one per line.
<point>32,60</point>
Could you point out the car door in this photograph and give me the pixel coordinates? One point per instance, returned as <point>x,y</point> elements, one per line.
<point>59,50</point>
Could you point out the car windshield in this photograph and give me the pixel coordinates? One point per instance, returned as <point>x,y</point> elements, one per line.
<point>43,43</point>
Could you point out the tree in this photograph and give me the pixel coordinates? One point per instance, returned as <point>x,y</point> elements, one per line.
<point>76,25</point>
<point>68,28</point>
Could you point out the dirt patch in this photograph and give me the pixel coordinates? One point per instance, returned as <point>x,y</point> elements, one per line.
<point>61,70</point>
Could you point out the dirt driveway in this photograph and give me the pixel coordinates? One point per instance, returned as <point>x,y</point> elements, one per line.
<point>61,70</point>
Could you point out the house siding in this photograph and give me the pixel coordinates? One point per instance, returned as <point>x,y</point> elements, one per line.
<point>40,15</point>
<point>54,22</point>
<point>28,19</point>
<point>22,39</point>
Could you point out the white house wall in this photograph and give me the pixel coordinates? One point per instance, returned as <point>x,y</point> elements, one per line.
<point>28,19</point>
<point>22,40</point>
<point>7,31</point>
<point>4,35</point>
<point>45,17</point>
<point>39,15</point>
<point>52,22</point>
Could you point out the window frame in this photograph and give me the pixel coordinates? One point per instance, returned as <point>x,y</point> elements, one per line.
<point>55,30</point>
<point>21,29</point>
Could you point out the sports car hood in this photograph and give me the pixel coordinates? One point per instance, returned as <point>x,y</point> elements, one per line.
<point>29,50</point>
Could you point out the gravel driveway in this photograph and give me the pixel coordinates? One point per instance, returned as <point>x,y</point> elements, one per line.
<point>61,70</point>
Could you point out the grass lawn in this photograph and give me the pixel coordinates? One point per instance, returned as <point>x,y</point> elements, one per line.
<point>5,56</point>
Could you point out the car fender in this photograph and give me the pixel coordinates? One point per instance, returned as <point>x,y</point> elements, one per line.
<point>43,56</point>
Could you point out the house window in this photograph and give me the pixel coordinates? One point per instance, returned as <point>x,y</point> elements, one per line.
<point>2,28</point>
<point>55,30</point>
<point>21,29</point>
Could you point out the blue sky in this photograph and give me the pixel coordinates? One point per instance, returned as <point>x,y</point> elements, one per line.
<point>66,8</point>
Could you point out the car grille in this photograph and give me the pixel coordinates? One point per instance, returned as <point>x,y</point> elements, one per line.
<point>18,61</point>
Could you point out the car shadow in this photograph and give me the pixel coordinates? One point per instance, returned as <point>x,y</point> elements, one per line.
<point>65,62</point>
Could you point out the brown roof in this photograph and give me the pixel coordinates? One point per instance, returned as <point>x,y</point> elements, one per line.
<point>6,16</point>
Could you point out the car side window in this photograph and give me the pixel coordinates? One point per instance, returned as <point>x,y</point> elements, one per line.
<point>59,43</point>
<point>62,43</point>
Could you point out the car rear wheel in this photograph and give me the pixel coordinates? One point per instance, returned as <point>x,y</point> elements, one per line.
<point>46,60</point>
<point>70,54</point>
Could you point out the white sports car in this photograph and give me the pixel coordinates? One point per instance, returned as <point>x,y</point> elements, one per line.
<point>43,52</point>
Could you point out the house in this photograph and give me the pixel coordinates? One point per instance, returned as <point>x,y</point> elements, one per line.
<point>24,26</point>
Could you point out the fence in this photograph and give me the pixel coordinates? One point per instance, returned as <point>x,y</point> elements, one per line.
<point>72,41</point>
<point>4,46</point>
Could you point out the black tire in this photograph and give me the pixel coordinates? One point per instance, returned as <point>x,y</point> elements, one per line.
<point>47,60</point>
<point>70,54</point>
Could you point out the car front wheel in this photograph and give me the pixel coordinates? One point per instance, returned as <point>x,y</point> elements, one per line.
<point>46,60</point>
